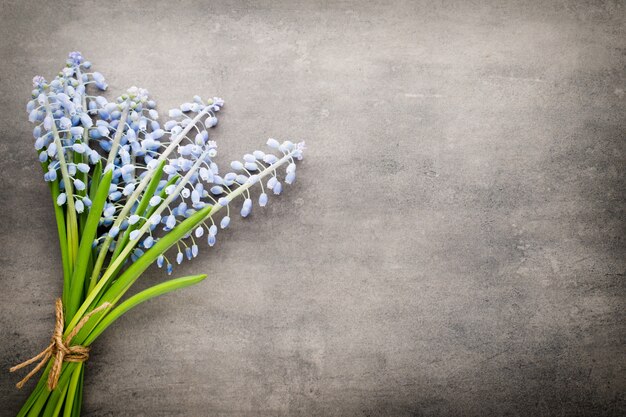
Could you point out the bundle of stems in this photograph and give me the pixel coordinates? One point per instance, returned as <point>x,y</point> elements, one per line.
<point>125,190</point>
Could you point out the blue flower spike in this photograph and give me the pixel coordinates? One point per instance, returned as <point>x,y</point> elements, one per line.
<point>76,129</point>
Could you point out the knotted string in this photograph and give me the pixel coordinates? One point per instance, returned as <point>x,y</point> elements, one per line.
<point>59,349</point>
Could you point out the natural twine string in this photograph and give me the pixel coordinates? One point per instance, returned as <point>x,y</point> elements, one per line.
<point>59,349</point>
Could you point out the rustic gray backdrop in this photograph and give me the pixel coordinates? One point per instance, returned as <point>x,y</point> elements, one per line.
<point>454,244</point>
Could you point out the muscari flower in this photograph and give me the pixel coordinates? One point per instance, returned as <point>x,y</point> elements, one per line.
<point>130,131</point>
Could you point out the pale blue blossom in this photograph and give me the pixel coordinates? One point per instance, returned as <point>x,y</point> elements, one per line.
<point>76,127</point>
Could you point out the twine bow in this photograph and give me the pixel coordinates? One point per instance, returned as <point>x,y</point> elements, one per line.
<point>59,349</point>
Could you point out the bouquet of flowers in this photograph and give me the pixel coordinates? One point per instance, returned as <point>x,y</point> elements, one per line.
<point>128,191</point>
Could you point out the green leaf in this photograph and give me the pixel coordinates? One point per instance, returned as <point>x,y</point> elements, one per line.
<point>151,189</point>
<point>162,194</point>
<point>133,272</point>
<point>123,283</point>
<point>73,390</point>
<point>150,210</point>
<point>139,298</point>
<point>141,207</point>
<point>60,218</point>
<point>95,180</point>
<point>78,400</point>
<point>84,251</point>
<point>72,232</point>
<point>86,281</point>
<point>39,388</point>
<point>44,394</point>
<point>56,401</point>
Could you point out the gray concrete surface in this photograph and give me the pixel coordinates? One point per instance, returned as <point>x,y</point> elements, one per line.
<point>454,245</point>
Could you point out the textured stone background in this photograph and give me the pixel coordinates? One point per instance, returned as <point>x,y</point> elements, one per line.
<point>454,245</point>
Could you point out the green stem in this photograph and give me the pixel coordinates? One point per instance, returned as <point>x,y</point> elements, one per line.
<point>73,388</point>
<point>288,157</point>
<point>139,298</point>
<point>78,400</point>
<point>134,271</point>
<point>72,223</point>
<point>137,193</point>
<point>84,251</point>
<point>143,205</point>
<point>118,133</point>
<point>34,396</point>
<point>56,401</point>
<point>60,219</point>
<point>117,262</point>
<point>39,401</point>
